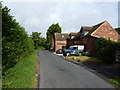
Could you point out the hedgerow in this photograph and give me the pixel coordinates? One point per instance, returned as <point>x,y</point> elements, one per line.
<point>106,49</point>
<point>15,41</point>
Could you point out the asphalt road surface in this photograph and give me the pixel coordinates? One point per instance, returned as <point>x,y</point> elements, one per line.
<point>56,72</point>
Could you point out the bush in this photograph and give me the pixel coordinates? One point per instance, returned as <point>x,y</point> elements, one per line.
<point>47,46</point>
<point>15,42</point>
<point>63,47</point>
<point>85,54</point>
<point>78,54</point>
<point>106,49</point>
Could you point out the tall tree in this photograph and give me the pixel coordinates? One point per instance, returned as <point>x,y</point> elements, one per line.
<point>54,28</point>
<point>15,41</point>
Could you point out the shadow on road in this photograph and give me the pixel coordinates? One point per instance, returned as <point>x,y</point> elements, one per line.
<point>107,70</point>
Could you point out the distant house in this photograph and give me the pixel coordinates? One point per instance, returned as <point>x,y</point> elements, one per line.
<point>88,35</point>
<point>60,40</point>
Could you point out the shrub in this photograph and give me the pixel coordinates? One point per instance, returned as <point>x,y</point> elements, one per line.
<point>106,49</point>
<point>78,54</point>
<point>15,41</point>
<point>63,47</point>
<point>85,54</point>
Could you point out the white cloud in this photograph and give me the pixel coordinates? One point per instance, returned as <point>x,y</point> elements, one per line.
<point>38,16</point>
<point>32,22</point>
<point>55,17</point>
<point>60,0</point>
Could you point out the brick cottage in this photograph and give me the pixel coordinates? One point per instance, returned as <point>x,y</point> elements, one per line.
<point>86,36</point>
<point>60,40</point>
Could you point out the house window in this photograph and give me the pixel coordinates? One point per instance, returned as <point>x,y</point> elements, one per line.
<point>62,35</point>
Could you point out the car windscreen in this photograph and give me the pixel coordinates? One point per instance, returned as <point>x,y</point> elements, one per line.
<point>75,47</point>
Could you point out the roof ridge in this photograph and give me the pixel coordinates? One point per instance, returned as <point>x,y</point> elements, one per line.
<point>95,27</point>
<point>87,26</point>
<point>100,23</point>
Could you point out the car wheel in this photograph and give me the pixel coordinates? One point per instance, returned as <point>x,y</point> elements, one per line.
<point>67,54</point>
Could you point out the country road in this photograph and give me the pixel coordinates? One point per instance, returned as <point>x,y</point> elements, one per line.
<point>55,72</point>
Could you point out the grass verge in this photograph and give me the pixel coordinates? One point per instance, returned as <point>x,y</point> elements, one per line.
<point>116,81</point>
<point>82,59</point>
<point>23,74</point>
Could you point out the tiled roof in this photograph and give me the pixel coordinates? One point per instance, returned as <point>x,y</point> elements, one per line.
<point>90,29</point>
<point>65,36</point>
<point>86,28</point>
<point>95,27</point>
<point>61,36</point>
<point>78,35</point>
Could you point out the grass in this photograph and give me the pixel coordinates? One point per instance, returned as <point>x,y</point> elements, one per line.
<point>41,48</point>
<point>116,81</point>
<point>23,74</point>
<point>82,59</point>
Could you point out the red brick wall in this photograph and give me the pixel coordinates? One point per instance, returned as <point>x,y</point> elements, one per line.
<point>70,42</point>
<point>106,31</point>
<point>59,44</point>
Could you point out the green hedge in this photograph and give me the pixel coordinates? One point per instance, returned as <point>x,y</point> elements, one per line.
<point>85,54</point>
<point>78,54</point>
<point>15,41</point>
<point>106,49</point>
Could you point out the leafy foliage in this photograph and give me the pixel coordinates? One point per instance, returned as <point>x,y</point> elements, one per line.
<point>36,39</point>
<point>118,30</point>
<point>78,54</point>
<point>63,47</point>
<point>54,28</point>
<point>15,42</point>
<point>42,42</point>
<point>106,49</point>
<point>85,54</point>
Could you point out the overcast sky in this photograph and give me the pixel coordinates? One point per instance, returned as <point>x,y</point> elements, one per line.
<point>38,16</point>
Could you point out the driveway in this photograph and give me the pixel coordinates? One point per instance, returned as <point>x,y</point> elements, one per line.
<point>55,72</point>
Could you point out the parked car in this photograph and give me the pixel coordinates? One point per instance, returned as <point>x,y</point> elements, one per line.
<point>73,50</point>
<point>59,51</point>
